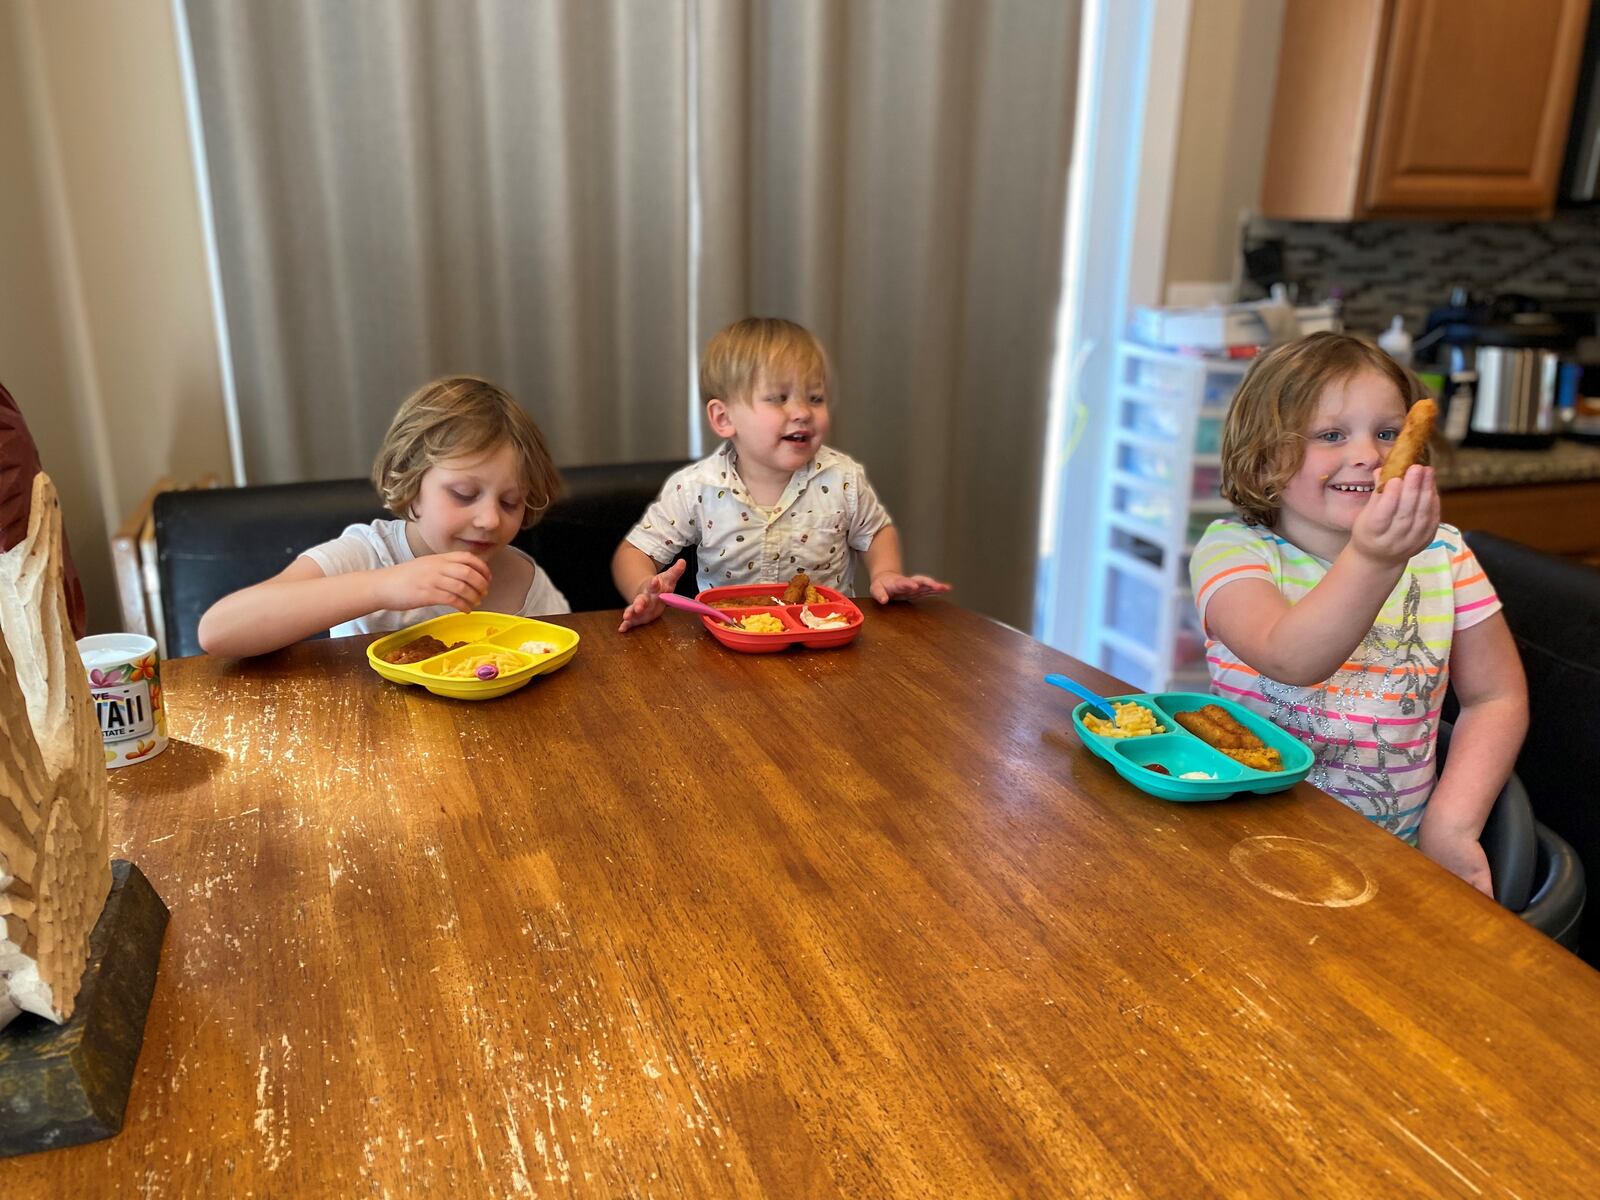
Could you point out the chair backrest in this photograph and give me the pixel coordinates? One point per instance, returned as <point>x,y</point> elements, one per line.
<point>213,542</point>
<point>218,540</point>
<point>1553,608</point>
<point>575,540</point>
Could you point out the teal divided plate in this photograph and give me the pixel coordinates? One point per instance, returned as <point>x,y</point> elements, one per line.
<point>1179,751</point>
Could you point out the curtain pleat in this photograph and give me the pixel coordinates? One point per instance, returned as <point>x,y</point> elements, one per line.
<point>407,189</point>
<point>499,186</point>
<point>896,181</point>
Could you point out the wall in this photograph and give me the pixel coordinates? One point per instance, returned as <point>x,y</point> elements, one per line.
<point>34,361</point>
<point>1229,78</point>
<point>1382,267</point>
<point>1408,267</point>
<point>106,332</point>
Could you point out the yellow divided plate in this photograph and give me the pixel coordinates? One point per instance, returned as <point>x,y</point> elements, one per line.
<point>485,633</point>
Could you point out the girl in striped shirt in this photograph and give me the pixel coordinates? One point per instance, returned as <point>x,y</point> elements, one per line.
<point>1342,614</point>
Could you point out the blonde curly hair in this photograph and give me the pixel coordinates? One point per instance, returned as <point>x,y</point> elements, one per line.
<point>460,416</point>
<point>1263,437</point>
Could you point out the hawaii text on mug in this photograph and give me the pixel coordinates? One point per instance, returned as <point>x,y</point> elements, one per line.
<point>125,680</point>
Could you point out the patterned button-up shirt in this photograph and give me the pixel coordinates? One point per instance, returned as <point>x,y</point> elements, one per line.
<point>827,515</point>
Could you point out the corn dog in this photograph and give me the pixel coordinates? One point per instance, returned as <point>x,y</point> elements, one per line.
<point>1414,435</point>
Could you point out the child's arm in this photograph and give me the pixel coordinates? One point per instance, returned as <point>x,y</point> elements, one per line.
<point>884,566</point>
<point>1487,677</point>
<point>1306,642</point>
<point>641,581</point>
<point>300,600</point>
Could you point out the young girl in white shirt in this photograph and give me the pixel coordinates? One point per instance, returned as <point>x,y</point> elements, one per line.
<point>463,468</point>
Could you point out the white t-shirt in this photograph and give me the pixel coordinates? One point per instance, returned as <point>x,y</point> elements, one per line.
<point>828,514</point>
<point>383,544</point>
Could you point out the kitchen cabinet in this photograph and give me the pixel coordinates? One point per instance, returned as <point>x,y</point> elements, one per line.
<point>1421,107</point>
<point>1547,499</point>
<point>1558,518</point>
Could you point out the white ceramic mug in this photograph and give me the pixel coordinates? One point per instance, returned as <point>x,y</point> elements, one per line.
<point>125,680</point>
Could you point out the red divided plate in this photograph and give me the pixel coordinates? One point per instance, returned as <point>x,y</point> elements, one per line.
<point>795,631</point>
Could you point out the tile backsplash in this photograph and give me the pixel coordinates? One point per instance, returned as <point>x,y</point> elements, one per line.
<point>1409,267</point>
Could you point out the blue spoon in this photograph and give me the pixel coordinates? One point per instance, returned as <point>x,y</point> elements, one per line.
<point>1077,689</point>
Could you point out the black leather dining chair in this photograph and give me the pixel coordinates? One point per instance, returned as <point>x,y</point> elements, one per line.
<point>1552,606</point>
<point>1535,873</point>
<point>214,541</point>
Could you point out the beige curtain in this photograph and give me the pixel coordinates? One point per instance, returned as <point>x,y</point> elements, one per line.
<point>405,189</point>
<point>893,175</point>
<point>504,187</point>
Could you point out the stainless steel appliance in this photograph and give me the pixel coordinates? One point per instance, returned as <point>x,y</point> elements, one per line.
<point>1503,371</point>
<point>1516,393</point>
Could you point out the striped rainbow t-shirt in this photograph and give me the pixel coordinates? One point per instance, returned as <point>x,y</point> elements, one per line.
<point>1373,725</point>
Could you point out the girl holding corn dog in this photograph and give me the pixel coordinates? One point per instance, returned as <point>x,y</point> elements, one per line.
<point>1337,605</point>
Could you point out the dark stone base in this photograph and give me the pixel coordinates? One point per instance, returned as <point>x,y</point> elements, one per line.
<point>65,1084</point>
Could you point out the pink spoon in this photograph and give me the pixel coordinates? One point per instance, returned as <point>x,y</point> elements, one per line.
<point>673,600</point>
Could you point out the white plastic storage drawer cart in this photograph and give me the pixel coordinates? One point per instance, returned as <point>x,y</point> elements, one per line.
<point>1160,493</point>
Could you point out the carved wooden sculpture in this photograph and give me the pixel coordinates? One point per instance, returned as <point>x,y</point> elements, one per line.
<point>54,849</point>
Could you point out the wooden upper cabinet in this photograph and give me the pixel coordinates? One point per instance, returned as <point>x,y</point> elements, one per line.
<point>1421,106</point>
<point>1475,105</point>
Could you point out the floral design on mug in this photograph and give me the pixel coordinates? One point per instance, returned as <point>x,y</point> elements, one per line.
<point>143,748</point>
<point>134,672</point>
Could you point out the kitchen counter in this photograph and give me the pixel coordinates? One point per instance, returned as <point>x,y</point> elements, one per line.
<point>1547,499</point>
<point>1475,467</point>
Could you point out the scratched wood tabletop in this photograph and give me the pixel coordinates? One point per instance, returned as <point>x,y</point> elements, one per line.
<point>864,922</point>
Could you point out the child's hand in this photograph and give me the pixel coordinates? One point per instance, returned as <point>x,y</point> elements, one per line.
<point>1459,853</point>
<point>1399,521</point>
<point>891,585</point>
<point>458,579</point>
<point>646,607</point>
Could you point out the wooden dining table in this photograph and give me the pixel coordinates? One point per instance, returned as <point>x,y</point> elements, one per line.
<point>675,920</point>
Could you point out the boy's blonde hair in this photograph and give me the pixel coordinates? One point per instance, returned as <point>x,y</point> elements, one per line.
<point>1263,437</point>
<point>457,417</point>
<point>736,358</point>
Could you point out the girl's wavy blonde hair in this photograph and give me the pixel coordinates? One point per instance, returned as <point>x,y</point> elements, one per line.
<point>1264,435</point>
<point>461,416</point>
<point>735,359</point>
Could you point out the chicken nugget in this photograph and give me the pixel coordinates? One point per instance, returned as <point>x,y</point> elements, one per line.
<point>795,593</point>
<point>1221,730</point>
<point>1204,728</point>
<point>1411,442</point>
<point>1238,734</point>
<point>1217,728</point>
<point>1266,759</point>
